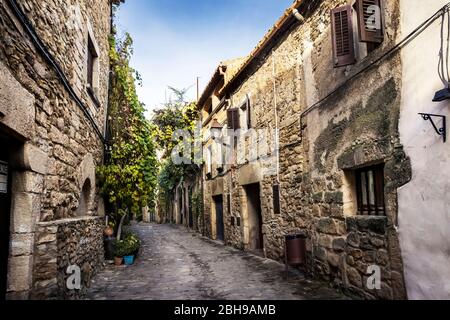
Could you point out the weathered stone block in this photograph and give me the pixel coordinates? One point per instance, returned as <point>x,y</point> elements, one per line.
<point>382,257</point>
<point>369,256</point>
<point>28,182</point>
<point>19,273</point>
<point>354,277</point>
<point>320,253</point>
<point>26,208</point>
<point>325,241</point>
<point>21,244</point>
<point>334,259</point>
<point>355,253</point>
<point>326,225</point>
<point>367,224</point>
<point>334,197</point>
<point>33,159</point>
<point>317,197</point>
<point>353,239</point>
<point>339,244</point>
<point>16,104</point>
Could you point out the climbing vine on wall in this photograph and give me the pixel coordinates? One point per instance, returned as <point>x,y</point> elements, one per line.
<point>129,178</point>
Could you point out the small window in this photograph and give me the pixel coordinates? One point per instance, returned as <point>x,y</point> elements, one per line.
<point>209,166</point>
<point>249,113</point>
<point>365,17</point>
<point>370,191</point>
<point>233,119</point>
<point>229,203</point>
<point>233,221</point>
<point>92,71</point>
<point>92,57</point>
<point>276,199</point>
<point>223,158</point>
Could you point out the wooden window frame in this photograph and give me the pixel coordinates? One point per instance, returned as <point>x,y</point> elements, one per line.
<point>365,192</point>
<point>92,61</point>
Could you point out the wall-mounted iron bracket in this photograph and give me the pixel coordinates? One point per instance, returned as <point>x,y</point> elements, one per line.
<point>442,131</point>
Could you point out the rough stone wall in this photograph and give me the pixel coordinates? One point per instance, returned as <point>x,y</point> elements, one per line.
<point>72,242</point>
<point>357,126</point>
<point>60,148</point>
<point>64,28</point>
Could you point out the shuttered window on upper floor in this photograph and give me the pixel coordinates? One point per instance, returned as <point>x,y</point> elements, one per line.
<point>342,34</point>
<point>370,21</point>
<point>233,119</point>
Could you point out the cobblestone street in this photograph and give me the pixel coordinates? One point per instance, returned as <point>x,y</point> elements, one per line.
<point>178,265</point>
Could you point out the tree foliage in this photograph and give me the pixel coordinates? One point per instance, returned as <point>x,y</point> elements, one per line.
<point>175,116</point>
<point>129,178</point>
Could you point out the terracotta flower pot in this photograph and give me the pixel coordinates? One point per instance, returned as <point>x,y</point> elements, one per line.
<point>118,261</point>
<point>108,232</point>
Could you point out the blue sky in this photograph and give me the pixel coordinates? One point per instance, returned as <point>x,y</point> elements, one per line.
<point>179,40</point>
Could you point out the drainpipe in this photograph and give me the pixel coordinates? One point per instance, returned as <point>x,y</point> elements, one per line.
<point>275,105</point>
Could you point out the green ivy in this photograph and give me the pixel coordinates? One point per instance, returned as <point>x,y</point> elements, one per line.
<point>129,178</point>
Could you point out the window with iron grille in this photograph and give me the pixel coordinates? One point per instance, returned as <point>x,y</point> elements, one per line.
<point>370,191</point>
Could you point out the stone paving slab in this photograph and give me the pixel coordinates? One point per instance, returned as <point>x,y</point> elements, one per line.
<point>176,264</point>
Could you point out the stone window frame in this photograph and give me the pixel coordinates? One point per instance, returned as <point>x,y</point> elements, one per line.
<point>378,181</point>
<point>92,49</point>
<point>351,205</point>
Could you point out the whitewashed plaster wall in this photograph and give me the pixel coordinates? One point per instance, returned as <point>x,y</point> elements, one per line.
<point>424,203</point>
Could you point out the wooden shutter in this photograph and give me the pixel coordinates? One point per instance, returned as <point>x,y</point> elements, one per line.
<point>276,199</point>
<point>342,34</point>
<point>370,20</point>
<point>230,118</point>
<point>233,119</point>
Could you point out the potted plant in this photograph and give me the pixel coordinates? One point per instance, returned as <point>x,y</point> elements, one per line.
<point>120,252</point>
<point>132,245</point>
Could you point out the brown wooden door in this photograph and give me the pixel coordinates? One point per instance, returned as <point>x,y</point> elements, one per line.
<point>220,227</point>
<point>255,219</point>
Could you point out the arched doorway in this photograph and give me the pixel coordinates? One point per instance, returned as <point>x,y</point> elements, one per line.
<point>85,199</point>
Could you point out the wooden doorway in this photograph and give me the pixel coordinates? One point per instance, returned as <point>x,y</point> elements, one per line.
<point>255,220</point>
<point>190,211</point>
<point>7,148</point>
<point>220,227</point>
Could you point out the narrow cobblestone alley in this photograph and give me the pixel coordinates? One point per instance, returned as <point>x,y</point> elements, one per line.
<point>179,265</point>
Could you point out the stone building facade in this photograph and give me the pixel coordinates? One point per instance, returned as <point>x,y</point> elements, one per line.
<point>54,80</point>
<point>322,143</point>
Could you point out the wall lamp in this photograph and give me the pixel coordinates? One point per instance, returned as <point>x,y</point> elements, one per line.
<point>216,129</point>
<point>442,95</point>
